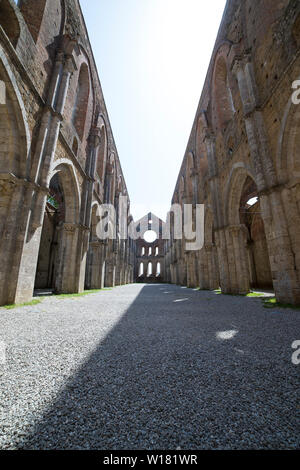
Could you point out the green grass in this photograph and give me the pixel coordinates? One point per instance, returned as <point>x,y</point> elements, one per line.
<point>81,294</point>
<point>271,302</point>
<point>254,294</point>
<point>251,294</point>
<point>218,291</point>
<point>59,296</point>
<point>32,302</point>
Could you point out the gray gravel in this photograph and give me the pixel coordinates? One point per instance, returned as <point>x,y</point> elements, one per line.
<point>148,367</point>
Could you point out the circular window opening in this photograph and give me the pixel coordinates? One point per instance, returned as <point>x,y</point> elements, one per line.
<point>150,236</point>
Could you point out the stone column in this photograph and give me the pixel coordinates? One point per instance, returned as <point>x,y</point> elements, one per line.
<point>18,255</point>
<point>191,269</point>
<point>201,269</point>
<point>96,265</point>
<point>223,260</point>
<point>211,267</point>
<point>210,142</point>
<point>66,280</point>
<point>110,273</point>
<point>238,261</point>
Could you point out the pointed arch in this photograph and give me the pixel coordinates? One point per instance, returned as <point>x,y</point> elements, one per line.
<point>201,151</point>
<point>81,100</point>
<point>190,168</point>
<point>102,150</point>
<point>95,218</point>
<point>288,154</point>
<point>141,270</point>
<point>70,187</point>
<point>221,97</point>
<point>158,269</point>
<point>149,269</point>
<point>14,130</point>
<point>233,191</point>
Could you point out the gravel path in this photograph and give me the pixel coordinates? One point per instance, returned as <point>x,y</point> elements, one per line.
<point>149,367</point>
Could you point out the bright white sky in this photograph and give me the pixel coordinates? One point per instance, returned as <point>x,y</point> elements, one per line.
<point>152,58</point>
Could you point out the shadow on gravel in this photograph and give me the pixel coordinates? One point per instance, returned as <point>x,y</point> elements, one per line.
<point>161,380</point>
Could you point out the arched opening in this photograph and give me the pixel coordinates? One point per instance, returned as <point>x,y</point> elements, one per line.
<point>81,101</point>
<point>149,270</point>
<point>156,251</point>
<point>53,219</point>
<point>13,145</point>
<point>110,180</point>
<point>158,269</point>
<point>57,260</point>
<point>189,177</point>
<point>201,150</point>
<point>223,99</point>
<point>102,153</point>
<point>14,166</point>
<point>150,251</point>
<point>257,248</point>
<point>141,270</point>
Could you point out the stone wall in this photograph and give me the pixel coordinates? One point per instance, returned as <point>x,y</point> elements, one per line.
<point>150,256</point>
<point>54,127</point>
<point>246,129</point>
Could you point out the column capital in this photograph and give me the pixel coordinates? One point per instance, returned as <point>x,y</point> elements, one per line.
<point>94,138</point>
<point>68,43</point>
<point>209,136</point>
<point>239,62</point>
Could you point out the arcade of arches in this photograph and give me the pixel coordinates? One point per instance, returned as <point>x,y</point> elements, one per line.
<point>59,162</point>
<point>242,159</point>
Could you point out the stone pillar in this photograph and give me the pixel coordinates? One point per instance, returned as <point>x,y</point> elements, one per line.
<point>191,270</point>
<point>110,273</point>
<point>210,142</point>
<point>223,260</point>
<point>285,275</point>
<point>66,279</point>
<point>291,201</point>
<point>211,267</point>
<point>96,266</point>
<point>118,273</point>
<point>238,261</point>
<point>201,270</point>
